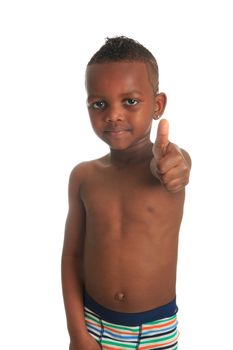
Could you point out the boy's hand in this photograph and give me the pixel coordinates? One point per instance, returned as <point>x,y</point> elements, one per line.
<point>85,343</point>
<point>170,164</point>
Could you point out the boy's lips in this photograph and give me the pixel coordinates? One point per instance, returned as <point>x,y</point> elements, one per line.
<point>116,129</point>
<point>116,132</point>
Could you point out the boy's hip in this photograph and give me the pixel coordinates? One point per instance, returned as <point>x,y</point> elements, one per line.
<point>152,329</point>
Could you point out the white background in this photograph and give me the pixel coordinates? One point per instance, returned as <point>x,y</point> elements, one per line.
<point>45,131</point>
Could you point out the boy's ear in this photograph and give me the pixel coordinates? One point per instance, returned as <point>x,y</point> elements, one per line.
<point>160,104</point>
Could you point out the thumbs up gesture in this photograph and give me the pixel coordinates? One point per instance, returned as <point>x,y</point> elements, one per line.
<point>170,164</point>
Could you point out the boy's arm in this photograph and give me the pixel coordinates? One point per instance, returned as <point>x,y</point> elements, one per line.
<point>170,164</point>
<point>72,268</point>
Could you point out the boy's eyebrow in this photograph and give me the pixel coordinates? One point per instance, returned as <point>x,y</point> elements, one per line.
<point>133,92</point>
<point>136,92</point>
<point>90,97</point>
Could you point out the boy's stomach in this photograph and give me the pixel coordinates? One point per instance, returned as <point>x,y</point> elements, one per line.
<point>133,272</point>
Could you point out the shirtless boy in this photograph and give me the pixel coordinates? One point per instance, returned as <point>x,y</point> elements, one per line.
<point>125,209</point>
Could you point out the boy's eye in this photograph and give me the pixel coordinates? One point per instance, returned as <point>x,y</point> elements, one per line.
<point>131,102</point>
<point>99,105</point>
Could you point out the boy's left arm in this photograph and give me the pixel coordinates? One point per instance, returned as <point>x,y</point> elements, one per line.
<point>170,164</point>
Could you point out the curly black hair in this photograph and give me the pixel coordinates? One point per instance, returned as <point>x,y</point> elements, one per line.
<point>121,48</point>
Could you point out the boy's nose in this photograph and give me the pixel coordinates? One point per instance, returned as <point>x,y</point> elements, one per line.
<point>114,114</point>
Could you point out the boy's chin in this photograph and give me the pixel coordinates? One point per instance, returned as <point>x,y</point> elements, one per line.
<point>117,146</point>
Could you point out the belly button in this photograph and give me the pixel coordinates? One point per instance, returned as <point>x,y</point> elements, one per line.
<point>119,296</point>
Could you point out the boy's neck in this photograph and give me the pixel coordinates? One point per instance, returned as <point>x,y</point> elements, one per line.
<point>132,155</point>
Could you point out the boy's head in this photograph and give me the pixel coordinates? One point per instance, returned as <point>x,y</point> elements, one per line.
<point>121,48</point>
<point>122,93</point>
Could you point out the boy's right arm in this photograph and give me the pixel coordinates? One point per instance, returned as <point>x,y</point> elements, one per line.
<point>72,269</point>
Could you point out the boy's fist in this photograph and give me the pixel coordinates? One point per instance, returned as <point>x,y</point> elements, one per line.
<point>170,164</point>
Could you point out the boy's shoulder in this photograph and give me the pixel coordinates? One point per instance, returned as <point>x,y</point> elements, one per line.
<point>83,169</point>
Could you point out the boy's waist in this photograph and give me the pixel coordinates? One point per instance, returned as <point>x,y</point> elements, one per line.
<point>130,318</point>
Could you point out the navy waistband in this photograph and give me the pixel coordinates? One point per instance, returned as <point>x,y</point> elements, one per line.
<point>130,319</point>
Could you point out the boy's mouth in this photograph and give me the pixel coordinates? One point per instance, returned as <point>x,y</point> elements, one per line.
<point>115,129</point>
<point>114,132</point>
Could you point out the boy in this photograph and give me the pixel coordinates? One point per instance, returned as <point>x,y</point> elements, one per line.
<point>125,210</point>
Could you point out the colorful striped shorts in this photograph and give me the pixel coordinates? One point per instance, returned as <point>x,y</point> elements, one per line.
<point>154,329</point>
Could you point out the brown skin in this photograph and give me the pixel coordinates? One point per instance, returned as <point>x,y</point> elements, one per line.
<point>125,209</point>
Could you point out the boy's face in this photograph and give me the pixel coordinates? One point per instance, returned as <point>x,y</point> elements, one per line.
<point>122,102</point>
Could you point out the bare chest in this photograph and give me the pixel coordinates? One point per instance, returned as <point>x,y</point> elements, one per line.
<point>129,198</point>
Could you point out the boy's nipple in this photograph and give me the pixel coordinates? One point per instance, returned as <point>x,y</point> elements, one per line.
<point>119,296</point>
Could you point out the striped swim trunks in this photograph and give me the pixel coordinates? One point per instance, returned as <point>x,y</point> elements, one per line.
<point>154,329</point>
